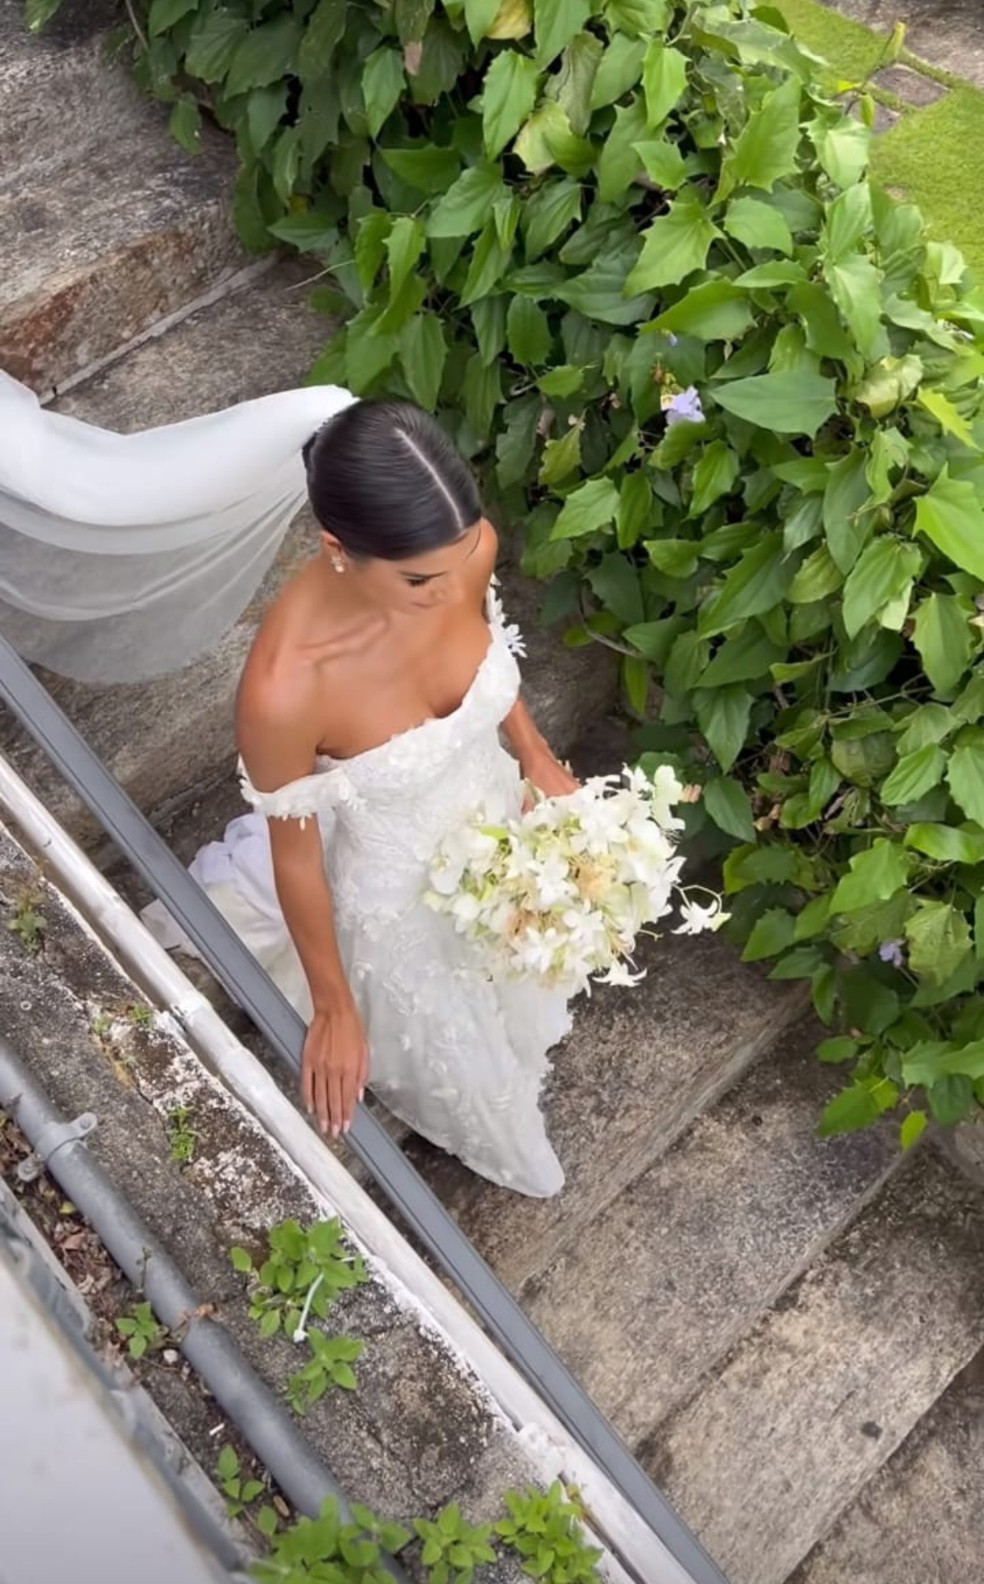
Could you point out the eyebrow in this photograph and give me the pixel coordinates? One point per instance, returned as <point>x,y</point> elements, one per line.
<point>430,577</point>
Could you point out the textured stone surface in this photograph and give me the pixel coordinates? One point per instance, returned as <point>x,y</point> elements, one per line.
<point>108,226</point>
<point>701,1244</point>
<point>946,33</point>
<point>921,1519</point>
<point>638,1067</point>
<point>418,1432</point>
<point>784,1434</point>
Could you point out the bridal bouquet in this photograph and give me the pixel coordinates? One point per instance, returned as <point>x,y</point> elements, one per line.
<point>562,892</point>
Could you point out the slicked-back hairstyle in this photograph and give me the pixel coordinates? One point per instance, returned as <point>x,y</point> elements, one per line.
<point>387,483</point>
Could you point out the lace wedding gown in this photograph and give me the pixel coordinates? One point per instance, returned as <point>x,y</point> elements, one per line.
<point>460,1059</point>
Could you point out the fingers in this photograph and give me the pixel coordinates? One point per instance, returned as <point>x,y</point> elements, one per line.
<point>336,1105</point>
<point>321,1097</point>
<point>363,1071</point>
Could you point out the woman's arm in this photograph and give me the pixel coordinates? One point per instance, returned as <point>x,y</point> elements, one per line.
<point>536,759</point>
<point>276,750</point>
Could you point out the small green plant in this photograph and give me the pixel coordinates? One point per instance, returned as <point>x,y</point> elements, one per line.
<point>27,923</point>
<point>139,1015</point>
<point>330,1365</point>
<point>327,1549</point>
<point>182,1135</point>
<point>453,1547</point>
<point>241,1492</point>
<point>141,1330</point>
<point>544,1529</point>
<point>305,1270</point>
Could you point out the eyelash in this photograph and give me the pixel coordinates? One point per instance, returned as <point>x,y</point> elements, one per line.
<point>417,582</point>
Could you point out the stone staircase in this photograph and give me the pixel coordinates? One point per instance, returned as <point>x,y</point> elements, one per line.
<point>784,1330</point>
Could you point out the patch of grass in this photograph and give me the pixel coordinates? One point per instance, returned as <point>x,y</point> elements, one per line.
<point>851,48</point>
<point>930,155</point>
<point>925,154</point>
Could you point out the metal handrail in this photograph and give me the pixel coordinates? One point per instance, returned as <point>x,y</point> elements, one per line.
<point>248,984</point>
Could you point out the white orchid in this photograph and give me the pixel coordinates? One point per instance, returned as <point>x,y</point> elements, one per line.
<point>562,893</point>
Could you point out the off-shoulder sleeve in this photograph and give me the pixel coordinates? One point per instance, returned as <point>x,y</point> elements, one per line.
<point>302,799</point>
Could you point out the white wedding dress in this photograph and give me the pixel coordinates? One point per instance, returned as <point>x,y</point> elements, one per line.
<point>460,1059</point>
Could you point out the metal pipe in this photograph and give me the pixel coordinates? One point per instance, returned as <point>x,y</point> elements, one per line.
<point>277,1441</point>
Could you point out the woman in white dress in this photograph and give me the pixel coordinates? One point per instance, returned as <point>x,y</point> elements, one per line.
<point>368,722</point>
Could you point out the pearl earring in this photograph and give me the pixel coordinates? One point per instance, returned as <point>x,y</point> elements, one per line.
<point>338,563</point>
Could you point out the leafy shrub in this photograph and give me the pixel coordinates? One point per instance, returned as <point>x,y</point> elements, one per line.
<point>628,250</point>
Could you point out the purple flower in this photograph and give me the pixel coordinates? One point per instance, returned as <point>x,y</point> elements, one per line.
<point>684,407</point>
<point>892,952</point>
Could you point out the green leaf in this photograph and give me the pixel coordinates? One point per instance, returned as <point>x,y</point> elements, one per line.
<point>618,70</point>
<point>615,582</point>
<point>788,404</point>
<point>323,32</point>
<point>744,657</point>
<point>939,941</point>
<point>466,206</point>
<point>270,1323</point>
<point>945,640</point>
<point>765,150</point>
<point>965,776</point>
<point>549,139</point>
<point>264,56</point>
<point>561,457</point>
<point>619,163</point>
<point>591,506</point>
<point>951,515</point>
<point>573,83</point>
<point>635,509</point>
<point>489,262</point>
<point>663,162</point>
<point>948,417</point>
<point>240,1260</point>
<point>863,761</point>
<point>873,876</point>
<point>428,169</point>
<point>383,81</point>
<point>528,332</point>
<point>728,806</point>
<point>843,150</point>
<point>599,291</point>
<point>638,17</point>
<point>555,23</point>
<point>950,1099</point>
<point>816,579</point>
<point>404,245</point>
<point>164,14</point>
<point>508,97</point>
<point>673,247</point>
<point>723,716</point>
<point>664,79</point>
<point>884,569</point>
<point>856,287</point>
<point>547,214</point>
<point>946,843</point>
<point>912,1128</point>
<point>677,558</point>
<point>846,493</point>
<point>771,935</point>
<point>562,381</point>
<point>185,124</point>
<point>857,1107</point>
<point>715,474</point>
<point>835,1051</point>
<point>758,225</point>
<point>715,311</point>
<point>756,583</point>
<point>423,352</point>
<point>915,774</point>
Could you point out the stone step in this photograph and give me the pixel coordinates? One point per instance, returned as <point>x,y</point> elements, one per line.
<point>785,1433</point>
<point>637,1069</point>
<point>170,740</point>
<point>922,1517</point>
<point>673,1273</point>
<point>108,226</point>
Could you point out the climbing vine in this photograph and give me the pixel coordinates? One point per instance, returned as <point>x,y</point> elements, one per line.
<point>629,251</point>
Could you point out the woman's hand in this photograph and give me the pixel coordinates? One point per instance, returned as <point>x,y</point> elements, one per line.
<point>548,775</point>
<point>334,1066</point>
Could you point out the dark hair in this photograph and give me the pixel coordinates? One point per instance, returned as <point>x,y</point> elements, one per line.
<point>385,479</point>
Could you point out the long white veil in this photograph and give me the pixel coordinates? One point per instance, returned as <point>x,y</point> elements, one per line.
<point>125,556</point>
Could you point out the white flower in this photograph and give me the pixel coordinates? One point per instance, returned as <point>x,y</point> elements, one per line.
<point>697,919</point>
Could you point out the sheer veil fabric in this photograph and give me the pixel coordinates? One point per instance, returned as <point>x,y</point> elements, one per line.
<point>123,557</point>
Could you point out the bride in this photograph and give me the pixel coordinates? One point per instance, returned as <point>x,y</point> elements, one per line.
<point>368,723</point>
